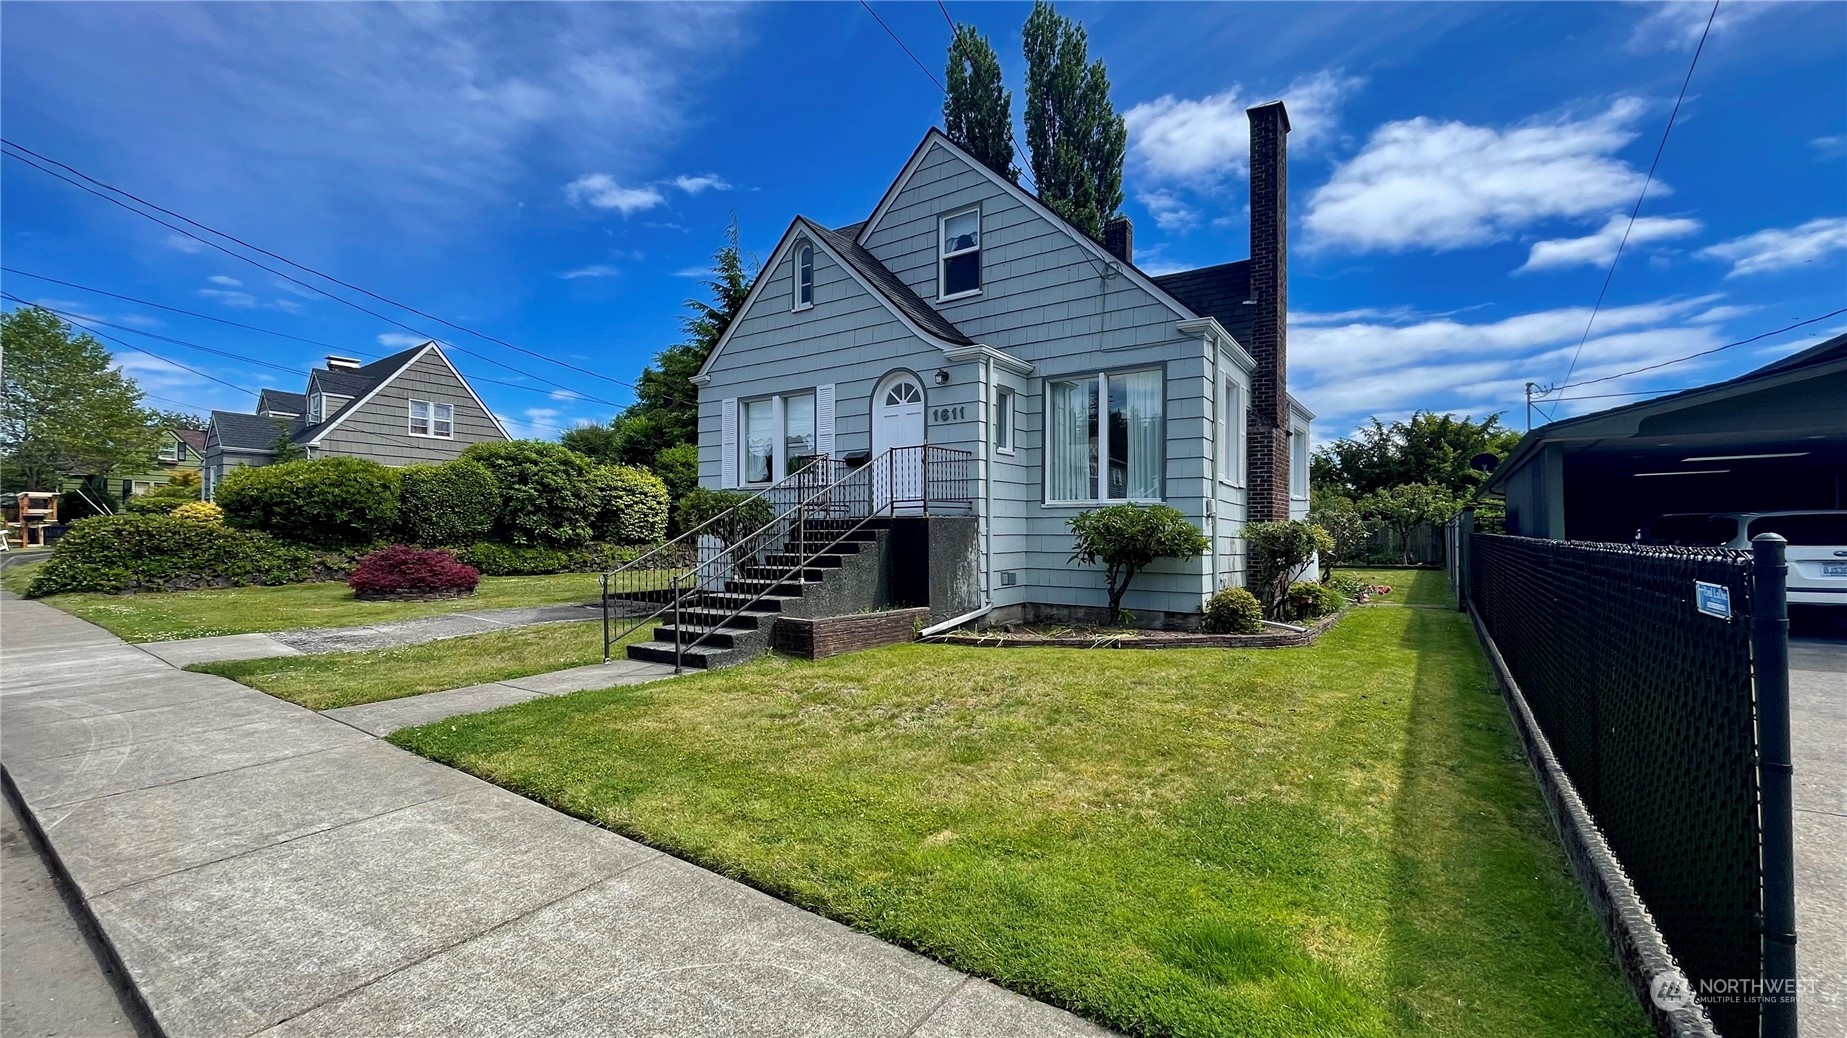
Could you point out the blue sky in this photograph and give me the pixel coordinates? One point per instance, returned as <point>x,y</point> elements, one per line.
<point>550,174</point>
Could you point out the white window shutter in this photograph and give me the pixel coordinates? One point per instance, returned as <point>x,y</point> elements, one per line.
<point>824,420</point>
<point>728,443</point>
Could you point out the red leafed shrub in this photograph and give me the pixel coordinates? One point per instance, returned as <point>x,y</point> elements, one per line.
<point>404,570</point>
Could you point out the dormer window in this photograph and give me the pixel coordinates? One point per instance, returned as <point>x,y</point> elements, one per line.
<point>173,450</point>
<point>317,408</point>
<point>959,269</point>
<point>804,276</point>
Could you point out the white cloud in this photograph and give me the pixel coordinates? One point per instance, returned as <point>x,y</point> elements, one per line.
<point>287,306</point>
<point>183,243</point>
<point>239,300</point>
<point>1678,24</point>
<point>225,280</point>
<point>600,191</point>
<point>400,340</point>
<point>1829,147</point>
<point>1445,185</point>
<point>565,394</point>
<point>595,270</point>
<point>534,423</point>
<point>692,185</point>
<point>293,289</point>
<point>1780,249</point>
<point>693,272</point>
<point>1176,139</point>
<point>1169,212</point>
<point>1598,249</point>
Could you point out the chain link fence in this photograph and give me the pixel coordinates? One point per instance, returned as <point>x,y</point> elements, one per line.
<point>1649,707</point>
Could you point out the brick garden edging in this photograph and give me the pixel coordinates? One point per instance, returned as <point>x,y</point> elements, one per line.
<point>1279,640</point>
<point>1640,950</point>
<point>410,596</point>
<point>832,635</point>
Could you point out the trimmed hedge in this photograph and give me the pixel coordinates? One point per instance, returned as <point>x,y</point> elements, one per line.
<point>404,570</point>
<point>494,559</point>
<point>199,512</point>
<point>117,553</point>
<point>702,505</point>
<point>1306,601</point>
<point>1233,610</point>
<point>331,502</point>
<point>154,504</point>
<point>451,503</point>
<point>546,494</point>
<point>631,505</point>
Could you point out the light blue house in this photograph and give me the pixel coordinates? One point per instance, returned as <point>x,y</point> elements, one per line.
<point>965,315</point>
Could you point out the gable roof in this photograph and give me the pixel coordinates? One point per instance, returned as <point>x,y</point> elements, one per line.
<point>194,439</point>
<point>282,402</point>
<point>376,376</point>
<point>1221,291</point>
<point>889,285</point>
<point>246,432</point>
<point>339,382</point>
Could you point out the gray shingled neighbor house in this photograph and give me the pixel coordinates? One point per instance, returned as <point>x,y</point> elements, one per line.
<point>963,314</point>
<point>408,408</point>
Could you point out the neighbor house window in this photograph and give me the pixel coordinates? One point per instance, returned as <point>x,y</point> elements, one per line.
<point>804,276</point>
<point>1298,463</point>
<point>960,270</point>
<point>1003,421</point>
<point>317,408</point>
<point>1231,441</point>
<point>1104,437</point>
<point>432,419</point>
<point>173,450</point>
<point>779,435</point>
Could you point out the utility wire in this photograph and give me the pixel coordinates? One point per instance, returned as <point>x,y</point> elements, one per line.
<point>317,273</point>
<point>266,331</point>
<point>946,18</point>
<point>297,281</point>
<point>1696,356</point>
<point>1633,213</point>
<point>128,345</point>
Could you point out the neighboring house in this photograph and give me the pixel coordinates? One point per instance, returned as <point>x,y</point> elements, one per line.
<point>181,450</point>
<point>408,408</point>
<point>1773,439</point>
<point>964,314</point>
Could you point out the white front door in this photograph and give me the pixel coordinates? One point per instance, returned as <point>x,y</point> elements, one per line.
<point>898,422</point>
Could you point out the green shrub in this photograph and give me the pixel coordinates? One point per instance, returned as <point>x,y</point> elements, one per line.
<point>1232,611</point>
<point>153,504</point>
<point>494,559</point>
<point>199,512</point>
<point>451,503</point>
<point>1127,537</point>
<point>701,506</point>
<point>329,502</point>
<point>546,494</point>
<point>1277,553</point>
<point>1347,586</point>
<point>117,553</point>
<point>631,505</point>
<point>678,467</point>
<point>1307,600</point>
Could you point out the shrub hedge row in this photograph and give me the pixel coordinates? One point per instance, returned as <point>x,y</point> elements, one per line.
<point>451,503</point>
<point>328,502</point>
<point>494,559</point>
<point>119,553</point>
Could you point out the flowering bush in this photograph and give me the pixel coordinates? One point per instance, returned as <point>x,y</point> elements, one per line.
<point>199,512</point>
<point>402,569</point>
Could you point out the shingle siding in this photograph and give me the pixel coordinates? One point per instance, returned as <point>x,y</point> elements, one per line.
<point>379,428</point>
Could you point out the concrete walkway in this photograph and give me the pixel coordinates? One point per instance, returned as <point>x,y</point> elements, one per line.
<point>258,868</point>
<point>183,651</point>
<point>1818,730</point>
<point>393,714</point>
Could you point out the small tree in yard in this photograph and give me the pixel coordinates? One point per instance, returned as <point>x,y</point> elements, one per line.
<point>1277,552</point>
<point>1346,527</point>
<point>1127,538</point>
<point>1405,507</point>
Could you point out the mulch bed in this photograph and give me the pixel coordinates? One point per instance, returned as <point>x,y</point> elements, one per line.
<point>1029,636</point>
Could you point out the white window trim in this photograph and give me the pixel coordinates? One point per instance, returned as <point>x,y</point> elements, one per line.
<point>779,433</point>
<point>429,422</point>
<point>1101,379</point>
<point>173,450</point>
<point>1235,410</point>
<point>795,281</point>
<point>943,258</point>
<point>1299,434</point>
<point>1011,400</point>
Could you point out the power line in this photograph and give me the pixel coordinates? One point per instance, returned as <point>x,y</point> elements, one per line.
<point>1696,356</point>
<point>946,18</point>
<point>272,331</point>
<point>297,281</point>
<point>317,273</point>
<point>128,345</point>
<point>1659,148</point>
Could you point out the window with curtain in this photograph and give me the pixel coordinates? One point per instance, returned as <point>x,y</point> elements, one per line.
<point>797,430</point>
<point>804,276</point>
<point>960,273</point>
<point>759,440</point>
<point>1116,459</point>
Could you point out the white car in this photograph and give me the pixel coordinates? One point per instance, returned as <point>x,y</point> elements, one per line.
<point>1817,545</point>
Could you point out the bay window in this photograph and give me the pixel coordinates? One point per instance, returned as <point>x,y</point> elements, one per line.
<point>1104,437</point>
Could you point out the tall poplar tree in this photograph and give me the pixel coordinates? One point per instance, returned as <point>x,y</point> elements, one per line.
<point>978,111</point>
<point>1077,139</point>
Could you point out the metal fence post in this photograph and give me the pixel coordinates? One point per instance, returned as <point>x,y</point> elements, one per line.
<point>677,666</point>
<point>605,617</point>
<point>1465,531</point>
<point>1770,666</point>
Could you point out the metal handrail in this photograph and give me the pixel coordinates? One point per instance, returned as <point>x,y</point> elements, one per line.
<point>662,548</point>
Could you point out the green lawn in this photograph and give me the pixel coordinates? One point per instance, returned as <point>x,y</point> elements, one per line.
<point>1336,840</point>
<point>1409,586</point>
<point>246,610</point>
<point>15,577</point>
<point>328,680</point>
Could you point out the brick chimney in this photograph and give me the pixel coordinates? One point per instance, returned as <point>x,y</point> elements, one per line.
<point>335,363</point>
<point>1119,239</point>
<point>1269,415</point>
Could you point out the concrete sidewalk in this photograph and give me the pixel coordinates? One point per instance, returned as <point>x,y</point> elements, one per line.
<point>1818,730</point>
<point>258,868</point>
<point>183,651</point>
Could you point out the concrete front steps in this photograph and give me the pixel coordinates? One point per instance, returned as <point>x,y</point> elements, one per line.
<point>733,626</point>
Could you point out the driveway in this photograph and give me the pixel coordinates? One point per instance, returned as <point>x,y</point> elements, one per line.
<point>1818,730</point>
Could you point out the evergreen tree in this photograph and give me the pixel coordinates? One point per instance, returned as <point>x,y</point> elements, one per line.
<point>978,111</point>
<point>64,408</point>
<point>666,407</point>
<point>1076,138</point>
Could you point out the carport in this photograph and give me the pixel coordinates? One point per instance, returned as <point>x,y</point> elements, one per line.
<point>1773,439</point>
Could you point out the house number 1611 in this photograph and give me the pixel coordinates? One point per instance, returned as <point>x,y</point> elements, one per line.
<point>948,414</point>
